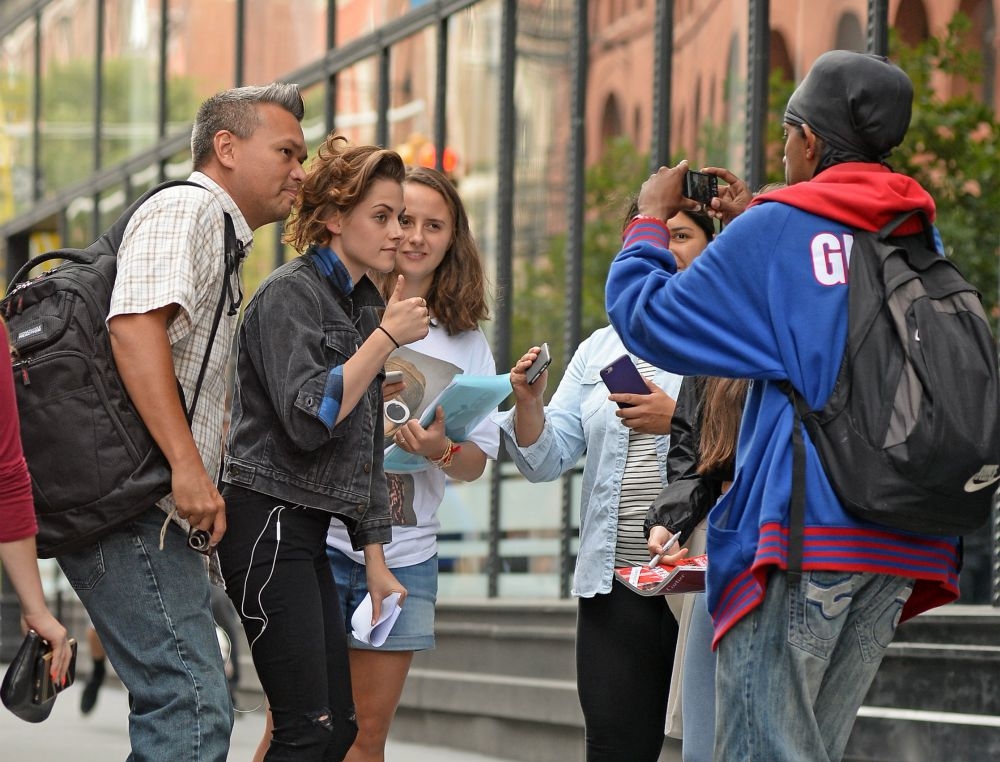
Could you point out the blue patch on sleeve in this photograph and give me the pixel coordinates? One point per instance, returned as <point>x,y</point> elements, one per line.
<point>333,394</point>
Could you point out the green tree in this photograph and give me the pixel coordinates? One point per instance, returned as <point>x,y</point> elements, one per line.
<point>68,112</point>
<point>780,87</point>
<point>951,149</point>
<point>539,291</point>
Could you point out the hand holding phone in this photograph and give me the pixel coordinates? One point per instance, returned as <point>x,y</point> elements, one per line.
<point>542,361</point>
<point>622,377</point>
<point>700,186</point>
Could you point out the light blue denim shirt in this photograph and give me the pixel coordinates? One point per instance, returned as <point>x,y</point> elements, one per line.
<point>580,419</point>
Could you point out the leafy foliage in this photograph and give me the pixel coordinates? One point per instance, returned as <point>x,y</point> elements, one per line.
<point>128,118</point>
<point>539,293</point>
<point>951,149</point>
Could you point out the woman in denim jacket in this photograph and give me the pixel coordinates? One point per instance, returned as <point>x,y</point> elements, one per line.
<point>305,442</point>
<point>624,642</point>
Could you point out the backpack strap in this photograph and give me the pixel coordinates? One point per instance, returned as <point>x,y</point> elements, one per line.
<point>925,226</point>
<point>233,256</point>
<point>116,232</point>
<point>797,503</point>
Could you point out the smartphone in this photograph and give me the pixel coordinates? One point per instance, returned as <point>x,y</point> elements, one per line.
<point>45,689</point>
<point>622,377</point>
<point>393,376</point>
<point>541,362</point>
<point>700,187</point>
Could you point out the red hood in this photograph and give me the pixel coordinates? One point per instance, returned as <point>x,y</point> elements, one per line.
<point>859,195</point>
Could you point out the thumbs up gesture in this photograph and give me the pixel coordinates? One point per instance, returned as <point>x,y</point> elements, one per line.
<point>406,320</point>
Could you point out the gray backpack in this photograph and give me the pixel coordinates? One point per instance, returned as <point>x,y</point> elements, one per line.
<point>910,436</point>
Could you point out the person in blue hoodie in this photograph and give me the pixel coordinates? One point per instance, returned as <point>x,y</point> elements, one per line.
<point>767,300</point>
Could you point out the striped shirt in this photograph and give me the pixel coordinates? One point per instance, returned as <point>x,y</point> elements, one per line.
<point>640,486</point>
<point>173,253</point>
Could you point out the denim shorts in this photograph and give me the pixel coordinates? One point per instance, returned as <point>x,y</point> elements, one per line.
<point>414,630</point>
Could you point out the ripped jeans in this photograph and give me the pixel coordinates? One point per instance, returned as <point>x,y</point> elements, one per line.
<point>277,575</point>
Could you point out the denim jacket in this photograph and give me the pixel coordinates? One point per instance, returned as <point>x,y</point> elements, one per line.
<point>579,419</point>
<point>299,325</point>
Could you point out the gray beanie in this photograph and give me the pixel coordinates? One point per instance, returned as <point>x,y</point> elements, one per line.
<point>858,103</point>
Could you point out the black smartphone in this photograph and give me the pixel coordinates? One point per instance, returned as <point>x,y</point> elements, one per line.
<point>700,187</point>
<point>541,362</point>
<point>45,689</point>
<point>622,377</point>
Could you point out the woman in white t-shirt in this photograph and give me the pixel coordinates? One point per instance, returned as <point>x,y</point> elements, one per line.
<point>440,262</point>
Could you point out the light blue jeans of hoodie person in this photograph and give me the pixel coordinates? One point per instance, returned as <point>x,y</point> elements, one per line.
<point>153,612</point>
<point>793,672</point>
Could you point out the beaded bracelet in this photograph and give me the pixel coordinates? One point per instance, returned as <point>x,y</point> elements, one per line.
<point>445,460</point>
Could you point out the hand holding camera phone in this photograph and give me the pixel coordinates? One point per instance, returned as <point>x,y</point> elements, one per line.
<point>700,186</point>
<point>622,377</point>
<point>542,361</point>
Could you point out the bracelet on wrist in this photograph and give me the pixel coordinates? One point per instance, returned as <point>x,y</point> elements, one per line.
<point>391,338</point>
<point>445,460</point>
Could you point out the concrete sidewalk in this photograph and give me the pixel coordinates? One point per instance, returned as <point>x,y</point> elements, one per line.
<point>102,736</point>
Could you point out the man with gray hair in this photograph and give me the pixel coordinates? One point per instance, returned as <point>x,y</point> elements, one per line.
<point>146,590</point>
<point>767,300</point>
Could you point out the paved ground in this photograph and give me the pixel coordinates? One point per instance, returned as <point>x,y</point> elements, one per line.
<point>102,736</point>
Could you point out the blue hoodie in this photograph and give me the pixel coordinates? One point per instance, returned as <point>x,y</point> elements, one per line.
<point>767,300</point>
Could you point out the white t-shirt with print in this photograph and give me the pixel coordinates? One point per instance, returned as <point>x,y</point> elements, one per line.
<point>415,498</point>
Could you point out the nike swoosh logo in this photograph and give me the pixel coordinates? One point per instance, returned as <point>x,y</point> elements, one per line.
<point>975,484</point>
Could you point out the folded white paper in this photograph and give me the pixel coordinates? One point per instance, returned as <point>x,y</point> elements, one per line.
<point>361,621</point>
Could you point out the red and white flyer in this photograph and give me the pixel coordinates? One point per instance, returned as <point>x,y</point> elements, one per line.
<point>687,576</point>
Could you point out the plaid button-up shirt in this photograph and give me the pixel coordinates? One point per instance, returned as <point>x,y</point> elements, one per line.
<point>173,253</point>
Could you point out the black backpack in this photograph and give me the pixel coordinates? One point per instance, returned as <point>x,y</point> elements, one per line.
<point>910,436</point>
<point>93,464</point>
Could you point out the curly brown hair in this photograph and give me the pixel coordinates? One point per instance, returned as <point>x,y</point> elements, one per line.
<point>458,296</point>
<point>337,179</point>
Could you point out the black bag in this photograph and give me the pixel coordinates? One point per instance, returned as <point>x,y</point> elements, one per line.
<point>93,464</point>
<point>910,436</point>
<point>27,689</point>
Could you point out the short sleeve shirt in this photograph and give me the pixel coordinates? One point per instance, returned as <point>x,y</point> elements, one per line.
<point>173,252</point>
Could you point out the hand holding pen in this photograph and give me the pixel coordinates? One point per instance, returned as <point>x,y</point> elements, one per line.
<point>655,560</point>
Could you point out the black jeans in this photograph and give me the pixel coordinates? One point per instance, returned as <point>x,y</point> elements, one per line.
<point>624,655</point>
<point>277,575</point>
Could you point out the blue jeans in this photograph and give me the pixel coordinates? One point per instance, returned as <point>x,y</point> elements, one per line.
<point>414,630</point>
<point>793,673</point>
<point>698,686</point>
<point>152,611</point>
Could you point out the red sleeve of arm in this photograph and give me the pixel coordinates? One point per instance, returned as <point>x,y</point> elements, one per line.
<point>17,510</point>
